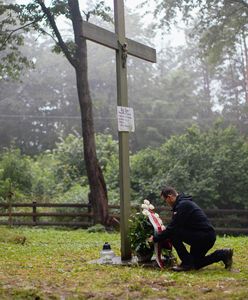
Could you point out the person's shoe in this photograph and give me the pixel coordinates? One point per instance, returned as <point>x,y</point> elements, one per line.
<point>227,260</point>
<point>182,268</point>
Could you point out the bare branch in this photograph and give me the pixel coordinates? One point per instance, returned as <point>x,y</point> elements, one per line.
<point>49,34</point>
<point>87,15</point>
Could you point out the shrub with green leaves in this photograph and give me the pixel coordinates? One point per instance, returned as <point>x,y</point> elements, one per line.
<point>16,170</point>
<point>211,165</point>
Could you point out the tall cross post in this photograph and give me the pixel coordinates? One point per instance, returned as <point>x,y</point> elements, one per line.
<point>123,46</point>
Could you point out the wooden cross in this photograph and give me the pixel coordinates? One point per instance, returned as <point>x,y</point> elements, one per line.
<point>123,47</point>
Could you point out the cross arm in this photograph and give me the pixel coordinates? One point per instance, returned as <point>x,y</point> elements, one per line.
<point>109,39</point>
<point>141,51</point>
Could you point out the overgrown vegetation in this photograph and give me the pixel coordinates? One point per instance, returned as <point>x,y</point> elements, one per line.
<point>53,264</point>
<point>211,165</point>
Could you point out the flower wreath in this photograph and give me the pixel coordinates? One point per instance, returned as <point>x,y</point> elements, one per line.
<point>158,226</point>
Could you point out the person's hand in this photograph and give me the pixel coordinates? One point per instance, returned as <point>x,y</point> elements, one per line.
<point>150,239</point>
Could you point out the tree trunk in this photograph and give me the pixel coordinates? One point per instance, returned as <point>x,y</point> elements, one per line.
<point>207,90</point>
<point>245,67</point>
<point>98,190</point>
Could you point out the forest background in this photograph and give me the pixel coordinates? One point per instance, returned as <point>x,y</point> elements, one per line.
<point>190,117</point>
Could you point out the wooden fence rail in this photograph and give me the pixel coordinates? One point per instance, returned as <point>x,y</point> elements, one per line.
<point>226,221</point>
<point>82,217</point>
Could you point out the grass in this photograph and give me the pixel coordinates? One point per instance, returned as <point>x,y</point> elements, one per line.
<point>53,264</point>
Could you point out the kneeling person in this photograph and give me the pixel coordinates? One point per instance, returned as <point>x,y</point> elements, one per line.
<point>190,225</point>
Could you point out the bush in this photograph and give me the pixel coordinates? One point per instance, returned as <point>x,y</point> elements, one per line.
<point>17,169</point>
<point>210,165</point>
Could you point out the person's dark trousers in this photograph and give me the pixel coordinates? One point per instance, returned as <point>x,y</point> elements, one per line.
<point>200,243</point>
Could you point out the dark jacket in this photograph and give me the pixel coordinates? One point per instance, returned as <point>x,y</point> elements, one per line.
<point>187,215</point>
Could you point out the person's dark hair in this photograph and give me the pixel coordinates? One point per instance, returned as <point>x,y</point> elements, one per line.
<point>168,190</point>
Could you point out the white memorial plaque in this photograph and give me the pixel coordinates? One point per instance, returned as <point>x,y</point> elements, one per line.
<point>125,118</point>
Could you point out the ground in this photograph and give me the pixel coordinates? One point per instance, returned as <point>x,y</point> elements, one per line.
<point>53,264</point>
